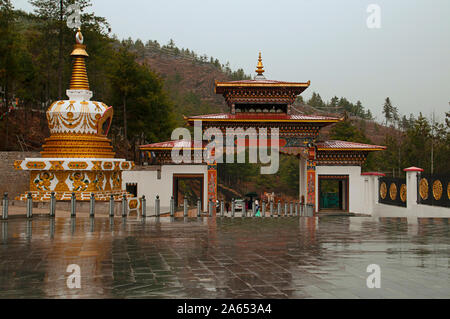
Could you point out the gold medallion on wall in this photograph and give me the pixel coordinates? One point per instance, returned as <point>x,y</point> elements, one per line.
<point>423,189</point>
<point>383,190</point>
<point>437,190</point>
<point>393,191</point>
<point>448,190</point>
<point>403,193</point>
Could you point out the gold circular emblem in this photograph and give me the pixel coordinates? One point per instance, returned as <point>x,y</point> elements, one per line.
<point>403,193</point>
<point>423,188</point>
<point>437,190</point>
<point>393,191</point>
<point>383,190</point>
<point>448,190</point>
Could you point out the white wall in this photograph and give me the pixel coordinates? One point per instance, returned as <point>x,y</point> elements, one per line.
<point>150,186</point>
<point>413,210</point>
<point>356,185</point>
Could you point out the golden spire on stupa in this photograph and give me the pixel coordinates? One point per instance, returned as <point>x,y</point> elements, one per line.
<point>260,67</point>
<point>79,80</point>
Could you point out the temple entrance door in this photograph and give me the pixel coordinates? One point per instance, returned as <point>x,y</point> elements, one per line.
<point>333,193</point>
<point>189,186</point>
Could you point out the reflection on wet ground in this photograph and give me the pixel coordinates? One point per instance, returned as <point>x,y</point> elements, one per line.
<point>224,258</point>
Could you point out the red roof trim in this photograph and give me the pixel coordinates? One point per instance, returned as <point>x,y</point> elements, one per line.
<point>413,169</point>
<point>179,144</point>
<point>262,117</point>
<point>344,145</point>
<point>373,174</point>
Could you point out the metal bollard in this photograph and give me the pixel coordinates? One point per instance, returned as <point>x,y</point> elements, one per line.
<point>199,208</point>
<point>172,207</point>
<point>52,228</point>
<point>111,206</point>
<point>124,206</point>
<point>144,206</point>
<point>296,209</point>
<point>210,208</point>
<point>29,206</point>
<point>271,208</point>
<point>291,209</point>
<point>233,207</point>
<point>185,207</point>
<point>5,207</point>
<point>52,205</point>
<point>222,208</point>
<point>73,205</point>
<point>286,209</point>
<point>279,209</point>
<point>263,210</point>
<point>92,205</point>
<point>253,210</point>
<point>157,206</point>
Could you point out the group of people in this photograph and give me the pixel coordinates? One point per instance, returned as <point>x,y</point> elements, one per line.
<point>248,206</point>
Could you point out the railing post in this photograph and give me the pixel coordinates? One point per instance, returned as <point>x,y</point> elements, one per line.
<point>124,206</point>
<point>285,209</point>
<point>172,207</point>
<point>199,208</point>
<point>73,204</point>
<point>291,209</point>
<point>253,209</point>
<point>5,207</point>
<point>271,209</point>
<point>279,209</point>
<point>52,205</point>
<point>222,208</point>
<point>111,206</point>
<point>29,206</point>
<point>263,209</point>
<point>144,206</point>
<point>233,207</point>
<point>185,207</point>
<point>157,206</point>
<point>92,205</point>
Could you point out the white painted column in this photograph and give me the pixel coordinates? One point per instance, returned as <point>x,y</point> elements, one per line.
<point>371,196</point>
<point>411,193</point>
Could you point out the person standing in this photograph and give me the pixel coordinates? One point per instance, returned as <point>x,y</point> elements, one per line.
<point>258,213</point>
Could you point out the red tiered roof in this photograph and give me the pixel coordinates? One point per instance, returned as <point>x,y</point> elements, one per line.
<point>169,145</point>
<point>222,87</point>
<point>263,117</point>
<point>347,146</point>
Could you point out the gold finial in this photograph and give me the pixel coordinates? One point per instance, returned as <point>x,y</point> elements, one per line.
<point>260,67</point>
<point>79,79</point>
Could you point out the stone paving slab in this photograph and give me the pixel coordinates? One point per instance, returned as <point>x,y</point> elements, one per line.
<point>223,258</point>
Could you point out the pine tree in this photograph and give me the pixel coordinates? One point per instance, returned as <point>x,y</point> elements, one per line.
<point>387,110</point>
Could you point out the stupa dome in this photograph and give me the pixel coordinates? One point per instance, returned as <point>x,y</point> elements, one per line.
<point>79,126</point>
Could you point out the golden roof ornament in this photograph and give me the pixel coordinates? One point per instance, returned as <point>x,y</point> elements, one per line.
<point>260,69</point>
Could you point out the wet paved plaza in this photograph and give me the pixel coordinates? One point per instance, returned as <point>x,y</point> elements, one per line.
<point>224,258</point>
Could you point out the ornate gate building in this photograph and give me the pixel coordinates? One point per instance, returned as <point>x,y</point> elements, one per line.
<point>262,104</point>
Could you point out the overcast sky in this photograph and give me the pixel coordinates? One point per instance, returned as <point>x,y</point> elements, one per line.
<point>325,41</point>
